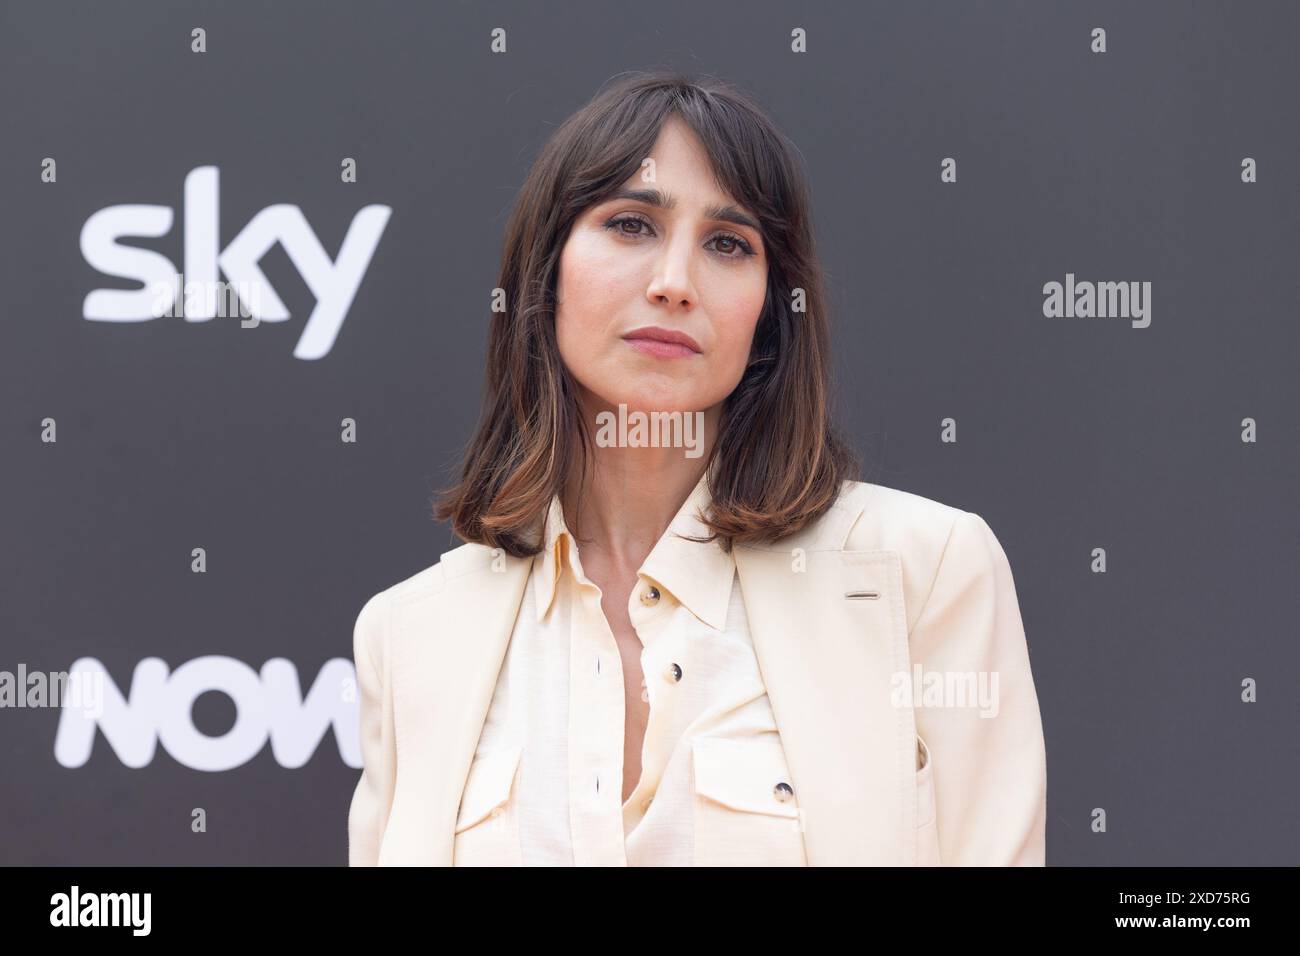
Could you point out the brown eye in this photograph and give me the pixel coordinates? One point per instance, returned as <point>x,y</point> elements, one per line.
<point>737,249</point>
<point>620,225</point>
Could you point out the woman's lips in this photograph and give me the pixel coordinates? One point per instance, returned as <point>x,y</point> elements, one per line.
<point>660,349</point>
<point>662,343</point>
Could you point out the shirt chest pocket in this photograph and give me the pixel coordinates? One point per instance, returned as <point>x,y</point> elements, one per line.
<point>487,827</point>
<point>745,810</point>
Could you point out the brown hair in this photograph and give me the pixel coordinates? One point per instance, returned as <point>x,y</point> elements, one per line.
<point>777,463</point>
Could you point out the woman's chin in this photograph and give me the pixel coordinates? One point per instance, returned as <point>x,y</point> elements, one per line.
<point>649,404</point>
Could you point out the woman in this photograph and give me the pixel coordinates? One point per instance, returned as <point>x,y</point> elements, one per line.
<point>680,632</point>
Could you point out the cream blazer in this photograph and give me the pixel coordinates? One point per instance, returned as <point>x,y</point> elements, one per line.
<point>886,594</point>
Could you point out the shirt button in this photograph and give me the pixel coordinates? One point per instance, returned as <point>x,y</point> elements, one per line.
<point>650,596</point>
<point>673,673</point>
<point>783,791</point>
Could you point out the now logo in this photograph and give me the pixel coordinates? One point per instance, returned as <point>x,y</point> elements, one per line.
<point>334,283</point>
<point>268,706</point>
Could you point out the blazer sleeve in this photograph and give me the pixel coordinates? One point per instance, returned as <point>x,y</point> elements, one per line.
<point>989,762</point>
<point>373,796</point>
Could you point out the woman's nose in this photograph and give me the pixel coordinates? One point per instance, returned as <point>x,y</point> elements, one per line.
<point>672,284</point>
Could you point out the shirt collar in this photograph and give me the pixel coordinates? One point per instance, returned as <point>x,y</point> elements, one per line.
<point>698,575</point>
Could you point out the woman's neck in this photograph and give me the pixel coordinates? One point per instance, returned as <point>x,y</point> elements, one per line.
<point>631,494</point>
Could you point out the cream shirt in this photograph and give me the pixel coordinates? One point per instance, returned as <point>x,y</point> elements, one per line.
<point>545,786</point>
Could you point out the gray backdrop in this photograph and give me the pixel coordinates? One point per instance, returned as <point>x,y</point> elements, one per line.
<point>1073,433</point>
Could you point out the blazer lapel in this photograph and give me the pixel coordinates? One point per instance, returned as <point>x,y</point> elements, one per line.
<point>827,660</point>
<point>448,647</point>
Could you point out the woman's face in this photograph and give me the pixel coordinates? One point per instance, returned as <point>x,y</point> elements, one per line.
<point>687,266</point>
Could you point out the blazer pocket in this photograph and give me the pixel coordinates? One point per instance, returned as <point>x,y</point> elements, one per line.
<point>745,810</point>
<point>927,833</point>
<point>487,826</point>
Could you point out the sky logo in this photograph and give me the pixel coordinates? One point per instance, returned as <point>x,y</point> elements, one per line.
<point>333,283</point>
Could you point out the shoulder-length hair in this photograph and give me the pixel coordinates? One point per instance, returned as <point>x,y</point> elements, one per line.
<point>776,464</point>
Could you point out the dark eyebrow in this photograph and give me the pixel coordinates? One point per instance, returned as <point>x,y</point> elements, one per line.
<point>653,197</point>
